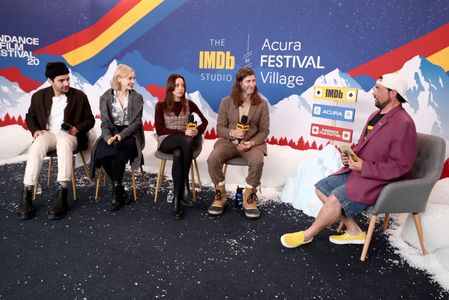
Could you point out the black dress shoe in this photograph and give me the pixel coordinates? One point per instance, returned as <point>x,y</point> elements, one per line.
<point>25,210</point>
<point>60,206</point>
<point>177,209</point>
<point>186,197</point>
<point>116,205</point>
<point>126,199</point>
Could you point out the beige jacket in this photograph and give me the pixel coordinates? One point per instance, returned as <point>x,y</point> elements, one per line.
<point>258,120</point>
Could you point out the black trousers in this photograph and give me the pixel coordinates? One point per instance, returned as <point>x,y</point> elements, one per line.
<point>114,167</point>
<point>181,146</point>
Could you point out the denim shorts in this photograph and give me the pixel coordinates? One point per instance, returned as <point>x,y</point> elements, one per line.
<point>336,185</point>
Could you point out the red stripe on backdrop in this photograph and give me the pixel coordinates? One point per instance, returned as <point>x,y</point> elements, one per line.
<point>392,61</point>
<point>85,36</point>
<point>156,91</point>
<point>14,74</point>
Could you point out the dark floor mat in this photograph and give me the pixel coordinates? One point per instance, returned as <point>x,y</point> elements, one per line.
<point>141,252</point>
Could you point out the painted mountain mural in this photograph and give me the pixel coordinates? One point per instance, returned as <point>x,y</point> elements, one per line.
<point>291,117</point>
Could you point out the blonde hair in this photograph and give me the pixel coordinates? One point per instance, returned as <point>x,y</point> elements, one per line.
<point>121,71</point>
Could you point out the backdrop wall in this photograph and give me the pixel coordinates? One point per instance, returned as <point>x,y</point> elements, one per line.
<point>292,46</point>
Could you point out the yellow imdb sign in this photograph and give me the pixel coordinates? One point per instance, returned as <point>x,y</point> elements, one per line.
<point>335,93</point>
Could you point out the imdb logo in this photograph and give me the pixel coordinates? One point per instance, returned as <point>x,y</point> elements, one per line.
<point>216,60</point>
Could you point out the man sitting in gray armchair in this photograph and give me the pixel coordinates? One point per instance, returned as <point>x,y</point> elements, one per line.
<point>385,152</point>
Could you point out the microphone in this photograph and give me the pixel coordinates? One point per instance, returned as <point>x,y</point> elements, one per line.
<point>242,126</point>
<point>191,123</point>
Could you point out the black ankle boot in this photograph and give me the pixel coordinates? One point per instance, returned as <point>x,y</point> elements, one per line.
<point>125,198</point>
<point>25,210</point>
<point>60,206</point>
<point>118,199</point>
<point>177,208</point>
<point>186,197</point>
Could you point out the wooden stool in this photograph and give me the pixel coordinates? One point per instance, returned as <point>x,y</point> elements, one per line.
<point>160,174</point>
<point>236,161</point>
<point>49,157</point>
<point>133,179</point>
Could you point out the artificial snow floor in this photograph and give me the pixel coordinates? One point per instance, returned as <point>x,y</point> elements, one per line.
<point>141,252</point>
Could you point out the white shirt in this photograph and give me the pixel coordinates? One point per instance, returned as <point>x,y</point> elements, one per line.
<point>56,117</point>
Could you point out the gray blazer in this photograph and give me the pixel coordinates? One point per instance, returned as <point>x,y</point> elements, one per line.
<point>135,127</point>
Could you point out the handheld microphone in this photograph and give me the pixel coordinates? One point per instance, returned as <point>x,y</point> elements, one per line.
<point>191,124</point>
<point>111,140</point>
<point>66,126</point>
<point>242,125</point>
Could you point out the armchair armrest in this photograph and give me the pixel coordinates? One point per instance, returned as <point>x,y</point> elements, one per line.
<point>406,196</point>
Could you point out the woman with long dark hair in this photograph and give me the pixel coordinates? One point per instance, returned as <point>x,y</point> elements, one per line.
<point>175,138</point>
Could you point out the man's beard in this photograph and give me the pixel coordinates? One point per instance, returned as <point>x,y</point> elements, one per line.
<point>64,90</point>
<point>248,91</point>
<point>382,105</point>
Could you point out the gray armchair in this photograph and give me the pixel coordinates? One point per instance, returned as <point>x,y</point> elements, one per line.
<point>410,196</point>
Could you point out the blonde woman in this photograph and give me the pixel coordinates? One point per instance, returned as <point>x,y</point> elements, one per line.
<point>122,137</point>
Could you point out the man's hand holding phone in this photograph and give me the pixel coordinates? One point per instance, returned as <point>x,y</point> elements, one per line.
<point>350,159</point>
<point>349,152</point>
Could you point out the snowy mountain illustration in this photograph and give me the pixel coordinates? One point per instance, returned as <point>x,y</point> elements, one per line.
<point>15,101</point>
<point>204,107</point>
<point>428,96</point>
<point>292,116</point>
<point>10,94</point>
<point>428,104</point>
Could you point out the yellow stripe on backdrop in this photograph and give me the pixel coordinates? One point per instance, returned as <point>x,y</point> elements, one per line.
<point>92,48</point>
<point>440,58</point>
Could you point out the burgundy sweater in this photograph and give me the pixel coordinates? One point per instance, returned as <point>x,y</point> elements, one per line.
<point>160,124</point>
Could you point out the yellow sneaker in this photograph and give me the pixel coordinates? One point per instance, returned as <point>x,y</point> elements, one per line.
<point>345,238</point>
<point>294,239</point>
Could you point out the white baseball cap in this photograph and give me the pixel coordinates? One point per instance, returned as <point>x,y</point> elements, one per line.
<point>395,82</point>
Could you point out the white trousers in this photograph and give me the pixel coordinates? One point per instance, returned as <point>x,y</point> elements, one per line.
<point>58,140</point>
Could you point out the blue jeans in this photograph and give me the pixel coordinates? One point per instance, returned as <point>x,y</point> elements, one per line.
<point>336,185</point>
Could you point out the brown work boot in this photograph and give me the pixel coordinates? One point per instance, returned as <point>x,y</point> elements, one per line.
<point>250,203</point>
<point>219,201</point>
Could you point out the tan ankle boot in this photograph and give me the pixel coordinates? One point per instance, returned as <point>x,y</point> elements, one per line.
<point>250,203</point>
<point>219,201</point>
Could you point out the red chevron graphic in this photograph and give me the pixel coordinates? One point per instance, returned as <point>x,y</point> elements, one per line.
<point>394,60</point>
<point>85,36</point>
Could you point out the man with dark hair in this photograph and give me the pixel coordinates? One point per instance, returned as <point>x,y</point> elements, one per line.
<point>59,118</point>
<point>385,152</point>
<point>247,141</point>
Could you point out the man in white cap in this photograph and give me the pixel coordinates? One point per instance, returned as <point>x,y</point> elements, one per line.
<point>386,152</point>
<point>59,118</point>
